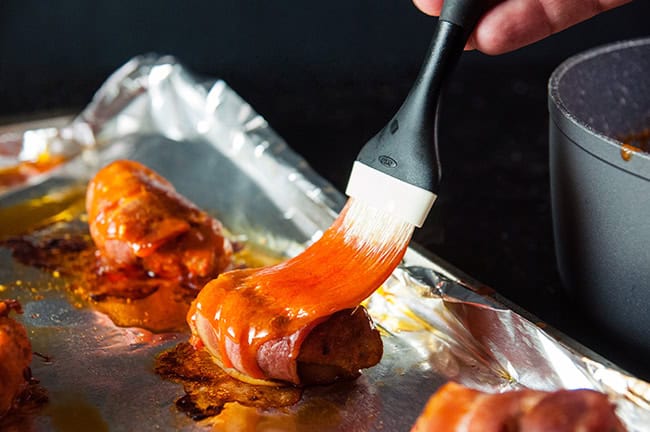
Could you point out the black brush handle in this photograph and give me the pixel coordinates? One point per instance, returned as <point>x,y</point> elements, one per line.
<point>464,13</point>
<point>406,148</point>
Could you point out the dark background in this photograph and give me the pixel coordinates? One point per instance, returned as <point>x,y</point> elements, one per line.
<point>327,75</point>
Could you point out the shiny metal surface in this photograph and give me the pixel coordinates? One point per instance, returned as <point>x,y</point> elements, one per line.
<point>437,324</point>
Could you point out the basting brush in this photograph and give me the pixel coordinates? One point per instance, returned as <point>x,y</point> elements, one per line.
<point>244,315</point>
<point>398,170</point>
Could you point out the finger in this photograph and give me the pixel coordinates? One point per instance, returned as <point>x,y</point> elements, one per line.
<point>516,23</point>
<point>429,7</point>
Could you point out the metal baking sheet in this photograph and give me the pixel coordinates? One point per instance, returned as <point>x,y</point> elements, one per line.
<point>437,324</point>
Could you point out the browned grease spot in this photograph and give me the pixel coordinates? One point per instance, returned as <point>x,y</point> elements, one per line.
<point>208,388</point>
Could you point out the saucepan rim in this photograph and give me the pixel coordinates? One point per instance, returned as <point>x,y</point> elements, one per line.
<point>598,144</point>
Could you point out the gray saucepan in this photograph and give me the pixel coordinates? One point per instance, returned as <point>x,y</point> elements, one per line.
<point>600,189</point>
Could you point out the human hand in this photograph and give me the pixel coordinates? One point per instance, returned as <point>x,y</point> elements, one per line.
<point>512,24</point>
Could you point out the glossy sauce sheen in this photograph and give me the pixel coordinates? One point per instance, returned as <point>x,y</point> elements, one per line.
<point>235,314</point>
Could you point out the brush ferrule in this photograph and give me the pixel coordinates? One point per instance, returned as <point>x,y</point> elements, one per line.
<point>377,189</point>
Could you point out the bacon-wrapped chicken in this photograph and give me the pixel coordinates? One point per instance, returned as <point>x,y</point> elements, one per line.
<point>15,356</point>
<point>334,348</point>
<point>138,221</point>
<point>456,408</point>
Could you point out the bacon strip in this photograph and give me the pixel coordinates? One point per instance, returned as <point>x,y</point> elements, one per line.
<point>455,408</point>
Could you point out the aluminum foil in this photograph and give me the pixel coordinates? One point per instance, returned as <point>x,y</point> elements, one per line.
<point>437,323</point>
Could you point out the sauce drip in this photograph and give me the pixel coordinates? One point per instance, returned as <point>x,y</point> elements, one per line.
<point>239,311</point>
<point>635,143</point>
<point>627,151</point>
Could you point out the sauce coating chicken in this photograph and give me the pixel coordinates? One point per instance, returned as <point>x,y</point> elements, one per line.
<point>139,222</point>
<point>330,349</point>
<point>455,408</point>
<point>15,356</point>
<point>254,321</point>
